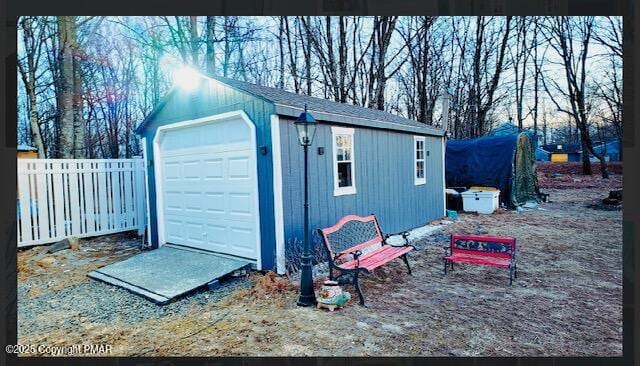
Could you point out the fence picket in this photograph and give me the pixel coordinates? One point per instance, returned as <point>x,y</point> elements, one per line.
<point>89,212</point>
<point>59,198</point>
<point>102,190</point>
<point>116,196</point>
<point>58,203</point>
<point>128,198</point>
<point>74,202</point>
<point>24,202</point>
<point>42,202</point>
<point>140,192</point>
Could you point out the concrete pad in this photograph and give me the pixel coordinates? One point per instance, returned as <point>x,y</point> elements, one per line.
<point>163,274</point>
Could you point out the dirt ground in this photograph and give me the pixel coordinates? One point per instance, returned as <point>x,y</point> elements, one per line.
<point>567,299</point>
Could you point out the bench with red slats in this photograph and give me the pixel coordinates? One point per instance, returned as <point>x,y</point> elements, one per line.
<point>356,244</point>
<point>486,250</point>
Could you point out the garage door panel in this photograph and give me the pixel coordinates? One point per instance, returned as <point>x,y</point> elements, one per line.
<point>210,188</point>
<point>213,169</point>
<point>172,201</point>
<point>241,204</point>
<point>171,170</point>
<point>193,202</point>
<point>195,233</point>
<point>239,168</point>
<point>174,229</point>
<point>214,202</point>
<point>217,237</point>
<point>191,170</point>
<point>237,131</point>
<point>242,238</point>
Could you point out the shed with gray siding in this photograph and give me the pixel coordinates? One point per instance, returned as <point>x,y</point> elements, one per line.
<point>225,169</point>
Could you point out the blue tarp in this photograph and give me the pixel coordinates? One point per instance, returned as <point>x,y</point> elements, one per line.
<point>485,161</point>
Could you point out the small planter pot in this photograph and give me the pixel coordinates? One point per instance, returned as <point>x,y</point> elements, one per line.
<point>331,296</point>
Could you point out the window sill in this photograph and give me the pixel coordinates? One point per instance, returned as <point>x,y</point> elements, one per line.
<point>420,182</point>
<point>344,191</point>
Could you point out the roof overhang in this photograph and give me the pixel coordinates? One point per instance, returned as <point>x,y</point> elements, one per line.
<point>293,111</point>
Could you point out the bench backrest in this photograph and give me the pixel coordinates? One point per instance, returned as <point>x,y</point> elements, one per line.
<point>488,245</point>
<point>351,233</point>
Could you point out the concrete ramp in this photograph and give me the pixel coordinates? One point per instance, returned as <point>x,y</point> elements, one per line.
<point>163,274</point>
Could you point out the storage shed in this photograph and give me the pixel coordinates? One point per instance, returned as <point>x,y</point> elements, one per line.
<point>225,169</point>
<point>27,152</point>
<point>561,152</point>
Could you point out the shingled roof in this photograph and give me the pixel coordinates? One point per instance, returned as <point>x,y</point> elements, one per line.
<point>291,104</point>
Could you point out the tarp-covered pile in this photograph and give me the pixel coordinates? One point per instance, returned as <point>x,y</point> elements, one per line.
<point>505,162</point>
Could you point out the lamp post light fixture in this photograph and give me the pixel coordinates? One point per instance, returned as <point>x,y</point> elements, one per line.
<point>306,127</point>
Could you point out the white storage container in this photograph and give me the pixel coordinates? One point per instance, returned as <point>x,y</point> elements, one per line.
<point>481,201</point>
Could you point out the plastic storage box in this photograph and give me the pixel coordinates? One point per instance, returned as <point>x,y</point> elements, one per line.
<point>481,201</point>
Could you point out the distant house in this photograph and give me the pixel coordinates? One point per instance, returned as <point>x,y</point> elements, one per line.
<point>225,169</point>
<point>611,150</point>
<point>561,152</point>
<point>27,152</point>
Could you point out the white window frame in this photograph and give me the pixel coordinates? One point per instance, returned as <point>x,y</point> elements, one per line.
<point>343,131</point>
<point>419,181</point>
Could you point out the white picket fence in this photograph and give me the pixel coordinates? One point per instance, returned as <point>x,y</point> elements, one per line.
<point>61,198</point>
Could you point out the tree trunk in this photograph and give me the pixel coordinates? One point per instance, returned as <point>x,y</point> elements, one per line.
<point>29,80</point>
<point>308,56</point>
<point>281,49</point>
<point>65,97</point>
<point>210,58</point>
<point>193,32</point>
<point>78,114</point>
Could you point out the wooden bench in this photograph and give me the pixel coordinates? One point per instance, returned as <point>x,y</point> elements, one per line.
<point>356,244</point>
<point>491,251</point>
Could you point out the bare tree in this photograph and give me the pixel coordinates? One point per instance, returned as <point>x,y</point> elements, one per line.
<point>486,72</point>
<point>564,33</point>
<point>66,37</point>
<point>33,40</point>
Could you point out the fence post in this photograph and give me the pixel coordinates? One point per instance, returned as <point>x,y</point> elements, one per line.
<point>141,204</point>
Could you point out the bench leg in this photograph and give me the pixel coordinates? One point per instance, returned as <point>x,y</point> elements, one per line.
<point>358,290</point>
<point>445,266</point>
<point>406,261</point>
<point>452,265</point>
<point>515,271</point>
<point>510,276</point>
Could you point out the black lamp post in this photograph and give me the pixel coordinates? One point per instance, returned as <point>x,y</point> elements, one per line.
<point>306,126</point>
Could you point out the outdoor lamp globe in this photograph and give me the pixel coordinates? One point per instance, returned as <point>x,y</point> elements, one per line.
<point>306,127</point>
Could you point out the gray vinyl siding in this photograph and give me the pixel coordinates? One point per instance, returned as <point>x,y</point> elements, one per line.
<point>384,177</point>
<point>215,98</point>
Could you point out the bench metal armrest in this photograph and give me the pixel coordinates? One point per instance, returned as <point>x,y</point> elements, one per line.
<point>356,254</point>
<point>404,234</point>
<point>447,250</point>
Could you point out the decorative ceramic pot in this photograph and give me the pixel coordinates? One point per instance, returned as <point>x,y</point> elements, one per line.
<point>332,294</point>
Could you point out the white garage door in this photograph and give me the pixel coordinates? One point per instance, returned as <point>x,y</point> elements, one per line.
<point>209,187</point>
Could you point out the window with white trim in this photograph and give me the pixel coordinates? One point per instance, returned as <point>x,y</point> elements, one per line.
<point>343,161</point>
<point>419,162</point>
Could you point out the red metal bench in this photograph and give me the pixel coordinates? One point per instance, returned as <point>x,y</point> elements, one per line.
<point>356,244</point>
<point>487,250</point>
